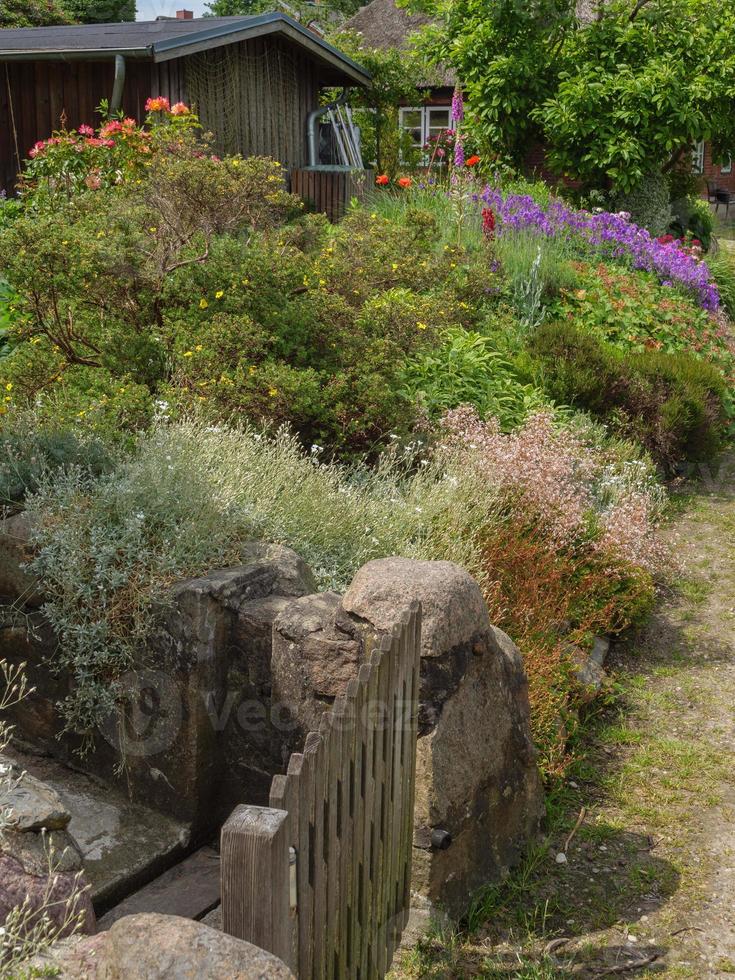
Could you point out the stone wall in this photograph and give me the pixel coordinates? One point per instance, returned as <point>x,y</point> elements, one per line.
<point>478,792</point>
<point>247,659</point>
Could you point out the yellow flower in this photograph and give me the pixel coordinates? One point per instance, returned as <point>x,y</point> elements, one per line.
<point>273,392</point>
<point>9,386</point>
<point>153,230</point>
<point>188,353</point>
<point>198,347</point>
<point>422,326</point>
<point>394,266</point>
<point>203,304</point>
<point>251,369</point>
<point>219,294</point>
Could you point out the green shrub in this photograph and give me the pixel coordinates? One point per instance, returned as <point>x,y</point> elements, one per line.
<point>722,265</point>
<point>31,453</point>
<point>671,403</point>
<point>648,203</point>
<point>693,218</point>
<point>465,370</point>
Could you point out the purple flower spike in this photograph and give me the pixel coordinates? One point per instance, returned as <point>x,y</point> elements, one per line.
<point>457,105</point>
<point>458,154</point>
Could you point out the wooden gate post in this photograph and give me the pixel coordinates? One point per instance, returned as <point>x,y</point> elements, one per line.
<point>254,855</point>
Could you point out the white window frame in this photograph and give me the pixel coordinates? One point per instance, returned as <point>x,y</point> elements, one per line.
<point>425,125</point>
<point>698,158</point>
<point>726,168</point>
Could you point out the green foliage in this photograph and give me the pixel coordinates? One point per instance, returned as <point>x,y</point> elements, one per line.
<point>32,453</point>
<point>100,11</point>
<point>693,218</point>
<point>625,94</point>
<point>519,250</point>
<point>465,369</point>
<point>33,13</point>
<point>648,203</point>
<point>635,313</point>
<point>395,75</point>
<point>722,265</point>
<point>671,403</point>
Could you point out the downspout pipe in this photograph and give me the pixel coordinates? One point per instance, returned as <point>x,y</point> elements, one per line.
<point>312,128</point>
<point>118,83</point>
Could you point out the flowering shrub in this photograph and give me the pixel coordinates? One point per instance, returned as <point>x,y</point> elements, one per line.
<point>71,162</point>
<point>565,486</point>
<point>608,235</point>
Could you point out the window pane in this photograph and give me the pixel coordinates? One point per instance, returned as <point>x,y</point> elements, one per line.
<point>438,118</point>
<point>411,123</point>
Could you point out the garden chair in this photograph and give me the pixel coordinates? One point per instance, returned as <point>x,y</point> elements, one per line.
<point>726,198</point>
<point>712,190</point>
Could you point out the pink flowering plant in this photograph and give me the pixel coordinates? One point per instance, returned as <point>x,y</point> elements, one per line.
<point>576,492</point>
<point>76,161</point>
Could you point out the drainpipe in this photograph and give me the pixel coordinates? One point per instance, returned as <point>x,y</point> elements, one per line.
<point>312,129</point>
<point>118,83</point>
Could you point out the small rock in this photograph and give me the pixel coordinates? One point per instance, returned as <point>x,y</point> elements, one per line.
<point>561,858</point>
<point>34,804</point>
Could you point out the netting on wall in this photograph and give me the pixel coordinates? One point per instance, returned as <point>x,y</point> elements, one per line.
<point>249,100</point>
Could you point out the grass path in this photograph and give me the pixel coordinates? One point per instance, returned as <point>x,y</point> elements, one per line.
<point>648,885</point>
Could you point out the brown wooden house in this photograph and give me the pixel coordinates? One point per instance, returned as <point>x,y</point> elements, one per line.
<point>253,80</point>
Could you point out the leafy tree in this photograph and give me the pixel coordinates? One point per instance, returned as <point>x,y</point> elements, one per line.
<point>395,76</point>
<point>32,13</point>
<point>626,94</point>
<point>236,8</point>
<point>100,11</point>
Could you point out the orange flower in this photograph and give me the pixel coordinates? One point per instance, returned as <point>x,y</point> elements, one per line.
<point>159,104</point>
<point>473,161</point>
<point>404,182</point>
<point>180,109</point>
<point>382,180</point>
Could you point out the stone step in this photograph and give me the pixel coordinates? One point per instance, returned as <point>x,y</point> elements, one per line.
<point>189,889</point>
<point>124,845</point>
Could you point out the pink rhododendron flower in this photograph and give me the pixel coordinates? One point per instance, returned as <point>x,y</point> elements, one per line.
<point>85,130</point>
<point>180,109</point>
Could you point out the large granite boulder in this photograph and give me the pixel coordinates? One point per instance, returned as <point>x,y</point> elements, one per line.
<point>478,790</point>
<point>150,946</point>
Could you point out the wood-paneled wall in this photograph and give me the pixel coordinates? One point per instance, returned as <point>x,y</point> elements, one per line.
<point>35,94</point>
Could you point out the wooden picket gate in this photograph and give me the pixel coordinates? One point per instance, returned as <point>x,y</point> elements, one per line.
<point>322,876</point>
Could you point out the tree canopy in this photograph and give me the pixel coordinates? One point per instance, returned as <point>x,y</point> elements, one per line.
<point>32,13</point>
<point>47,13</point>
<point>615,97</point>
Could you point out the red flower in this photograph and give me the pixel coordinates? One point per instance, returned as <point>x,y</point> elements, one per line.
<point>488,222</point>
<point>472,162</point>
<point>382,180</point>
<point>404,182</point>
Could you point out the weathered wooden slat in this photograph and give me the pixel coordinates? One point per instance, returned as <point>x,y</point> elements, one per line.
<point>304,863</point>
<point>254,878</point>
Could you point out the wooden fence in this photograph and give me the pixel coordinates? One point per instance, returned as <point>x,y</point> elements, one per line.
<point>330,191</point>
<point>322,877</point>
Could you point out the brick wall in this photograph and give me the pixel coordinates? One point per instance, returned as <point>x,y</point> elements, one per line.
<point>713,172</point>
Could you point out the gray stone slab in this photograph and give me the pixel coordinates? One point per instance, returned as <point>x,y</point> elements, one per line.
<point>123,845</point>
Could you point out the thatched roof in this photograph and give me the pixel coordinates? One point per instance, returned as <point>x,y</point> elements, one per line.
<point>384,25</point>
